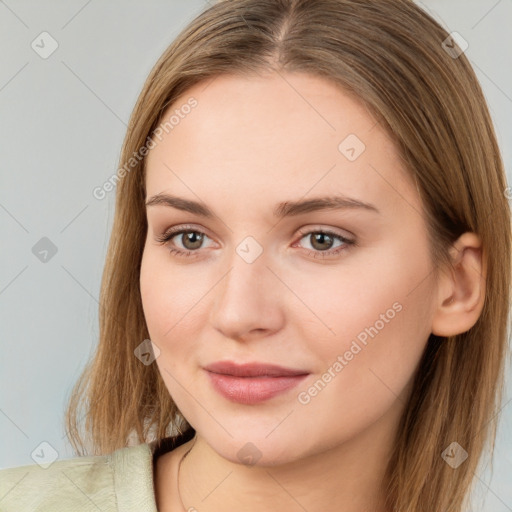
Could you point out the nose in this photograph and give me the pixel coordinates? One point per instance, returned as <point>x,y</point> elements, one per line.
<point>248,301</point>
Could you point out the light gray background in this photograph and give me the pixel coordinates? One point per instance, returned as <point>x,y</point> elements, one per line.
<point>62,122</point>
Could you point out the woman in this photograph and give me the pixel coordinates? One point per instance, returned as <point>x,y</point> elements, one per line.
<point>253,367</point>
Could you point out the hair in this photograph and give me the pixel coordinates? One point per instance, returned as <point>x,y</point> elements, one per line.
<point>389,55</point>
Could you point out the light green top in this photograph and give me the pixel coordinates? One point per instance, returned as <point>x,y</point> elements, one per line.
<point>119,482</point>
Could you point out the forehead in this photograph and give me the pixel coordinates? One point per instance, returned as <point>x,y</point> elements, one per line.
<point>275,137</point>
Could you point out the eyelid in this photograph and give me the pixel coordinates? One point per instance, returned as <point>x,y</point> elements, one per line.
<point>343,233</point>
<point>303,231</point>
<point>179,228</point>
<point>346,242</point>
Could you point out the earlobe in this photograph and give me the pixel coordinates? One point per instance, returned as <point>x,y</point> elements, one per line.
<point>461,290</point>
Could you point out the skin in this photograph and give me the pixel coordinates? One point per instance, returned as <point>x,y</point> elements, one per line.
<point>249,144</point>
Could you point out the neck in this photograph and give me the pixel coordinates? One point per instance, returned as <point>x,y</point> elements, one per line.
<point>347,477</point>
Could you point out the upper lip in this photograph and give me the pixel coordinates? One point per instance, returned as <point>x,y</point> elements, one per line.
<point>252,369</point>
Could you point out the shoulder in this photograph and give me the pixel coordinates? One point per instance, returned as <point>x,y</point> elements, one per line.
<point>122,480</point>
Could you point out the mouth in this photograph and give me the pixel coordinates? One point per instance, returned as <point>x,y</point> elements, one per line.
<point>253,370</point>
<point>252,383</point>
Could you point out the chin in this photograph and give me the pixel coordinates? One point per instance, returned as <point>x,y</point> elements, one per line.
<point>256,451</point>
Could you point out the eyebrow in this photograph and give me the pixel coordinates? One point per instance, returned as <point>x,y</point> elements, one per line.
<point>281,210</point>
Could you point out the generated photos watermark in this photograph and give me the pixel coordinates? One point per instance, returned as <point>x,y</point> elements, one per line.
<point>305,397</point>
<point>180,113</point>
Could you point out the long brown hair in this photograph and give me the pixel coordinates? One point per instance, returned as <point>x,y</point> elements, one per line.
<point>390,54</point>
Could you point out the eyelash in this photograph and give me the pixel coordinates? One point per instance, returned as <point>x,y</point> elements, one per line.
<point>171,233</point>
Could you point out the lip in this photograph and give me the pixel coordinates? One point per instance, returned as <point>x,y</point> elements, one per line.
<point>252,383</point>
<point>252,369</point>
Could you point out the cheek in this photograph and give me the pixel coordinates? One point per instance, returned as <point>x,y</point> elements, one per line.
<point>165,294</point>
<point>367,374</point>
<point>381,322</point>
<point>152,296</point>
<point>171,318</point>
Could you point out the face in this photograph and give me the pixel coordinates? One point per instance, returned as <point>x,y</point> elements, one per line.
<point>342,294</point>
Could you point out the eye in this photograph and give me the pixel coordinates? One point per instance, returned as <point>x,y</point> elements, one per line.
<point>321,241</point>
<point>320,238</point>
<point>191,239</point>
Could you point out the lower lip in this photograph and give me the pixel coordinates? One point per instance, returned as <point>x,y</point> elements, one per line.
<point>252,390</point>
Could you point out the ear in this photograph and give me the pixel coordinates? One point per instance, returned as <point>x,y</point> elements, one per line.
<point>461,290</point>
